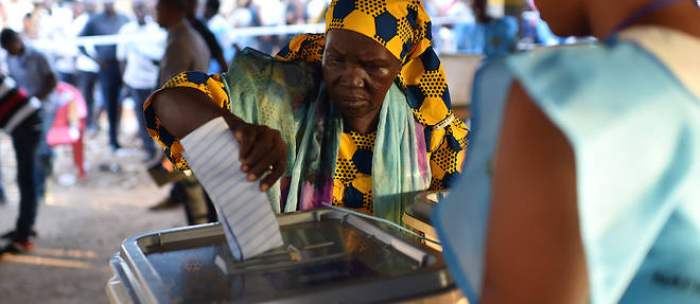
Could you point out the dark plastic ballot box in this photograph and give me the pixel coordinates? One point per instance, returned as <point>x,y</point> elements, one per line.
<point>329,257</point>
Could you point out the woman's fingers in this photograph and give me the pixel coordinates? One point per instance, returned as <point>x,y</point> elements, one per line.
<point>262,158</point>
<point>246,135</point>
<point>260,149</point>
<point>262,154</point>
<point>278,168</point>
<point>273,176</point>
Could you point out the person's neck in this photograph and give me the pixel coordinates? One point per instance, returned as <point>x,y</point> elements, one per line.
<point>683,16</point>
<point>363,125</point>
<point>176,24</point>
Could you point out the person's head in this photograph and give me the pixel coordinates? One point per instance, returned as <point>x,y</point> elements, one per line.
<point>366,49</point>
<point>480,8</point>
<point>211,8</point>
<point>170,12</point>
<point>77,8</point>
<point>11,42</point>
<point>140,11</point>
<point>109,7</point>
<point>244,3</point>
<point>357,72</point>
<point>191,8</point>
<point>89,6</point>
<point>597,17</point>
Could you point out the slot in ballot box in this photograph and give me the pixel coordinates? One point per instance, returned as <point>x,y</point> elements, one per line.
<point>329,257</point>
<point>417,217</point>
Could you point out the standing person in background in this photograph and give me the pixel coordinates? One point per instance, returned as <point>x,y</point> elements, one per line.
<point>271,13</point>
<point>218,25</point>
<point>215,50</point>
<point>185,50</point>
<point>32,72</point>
<point>315,10</point>
<point>294,14</point>
<point>20,119</point>
<point>496,37</point>
<point>55,24</point>
<point>3,196</point>
<point>15,11</point>
<point>108,22</point>
<point>139,59</point>
<point>86,67</point>
<point>244,15</point>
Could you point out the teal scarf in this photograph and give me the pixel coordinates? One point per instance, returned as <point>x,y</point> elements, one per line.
<point>286,96</point>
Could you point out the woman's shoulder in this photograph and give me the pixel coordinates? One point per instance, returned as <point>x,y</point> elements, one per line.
<point>255,71</point>
<point>617,75</point>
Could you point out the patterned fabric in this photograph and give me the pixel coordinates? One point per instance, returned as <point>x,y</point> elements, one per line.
<point>212,86</point>
<point>352,183</point>
<point>637,182</point>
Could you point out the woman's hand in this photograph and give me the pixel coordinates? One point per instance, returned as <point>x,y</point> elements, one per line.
<point>263,153</point>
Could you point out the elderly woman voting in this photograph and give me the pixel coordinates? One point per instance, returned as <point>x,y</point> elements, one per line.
<point>358,117</point>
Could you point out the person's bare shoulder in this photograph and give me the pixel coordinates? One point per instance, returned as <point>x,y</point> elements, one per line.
<point>534,250</point>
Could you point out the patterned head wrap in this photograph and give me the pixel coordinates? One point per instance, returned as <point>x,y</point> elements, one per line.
<point>404,28</point>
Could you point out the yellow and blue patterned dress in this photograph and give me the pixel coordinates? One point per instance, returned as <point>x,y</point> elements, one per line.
<point>352,183</point>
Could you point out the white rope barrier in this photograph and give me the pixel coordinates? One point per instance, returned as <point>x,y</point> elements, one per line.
<point>89,41</point>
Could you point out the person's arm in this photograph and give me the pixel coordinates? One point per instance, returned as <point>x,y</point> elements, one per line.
<point>122,49</point>
<point>217,52</point>
<point>223,65</point>
<point>447,155</point>
<point>176,60</point>
<point>88,30</point>
<point>176,111</point>
<point>49,76</point>
<point>534,251</point>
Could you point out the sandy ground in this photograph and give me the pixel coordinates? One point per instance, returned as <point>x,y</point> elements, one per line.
<point>82,223</point>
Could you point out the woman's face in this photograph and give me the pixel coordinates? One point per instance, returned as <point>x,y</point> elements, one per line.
<point>565,18</point>
<point>358,73</point>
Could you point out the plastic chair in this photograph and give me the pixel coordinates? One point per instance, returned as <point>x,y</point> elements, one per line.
<point>70,123</point>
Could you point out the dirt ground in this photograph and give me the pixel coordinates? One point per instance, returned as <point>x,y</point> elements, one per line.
<point>82,223</point>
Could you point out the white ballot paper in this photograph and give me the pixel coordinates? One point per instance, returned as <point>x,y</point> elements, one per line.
<point>244,212</point>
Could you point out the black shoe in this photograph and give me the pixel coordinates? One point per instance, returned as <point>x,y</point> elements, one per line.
<point>17,248</point>
<point>11,235</point>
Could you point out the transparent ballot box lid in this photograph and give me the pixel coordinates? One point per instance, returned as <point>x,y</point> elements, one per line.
<point>329,256</point>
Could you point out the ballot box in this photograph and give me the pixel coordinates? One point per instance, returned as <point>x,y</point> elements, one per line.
<point>417,217</point>
<point>329,256</point>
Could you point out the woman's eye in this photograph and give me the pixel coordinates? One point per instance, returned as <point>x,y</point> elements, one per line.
<point>334,61</point>
<point>378,69</point>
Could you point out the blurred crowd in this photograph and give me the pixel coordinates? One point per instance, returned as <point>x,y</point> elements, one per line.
<point>61,20</point>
